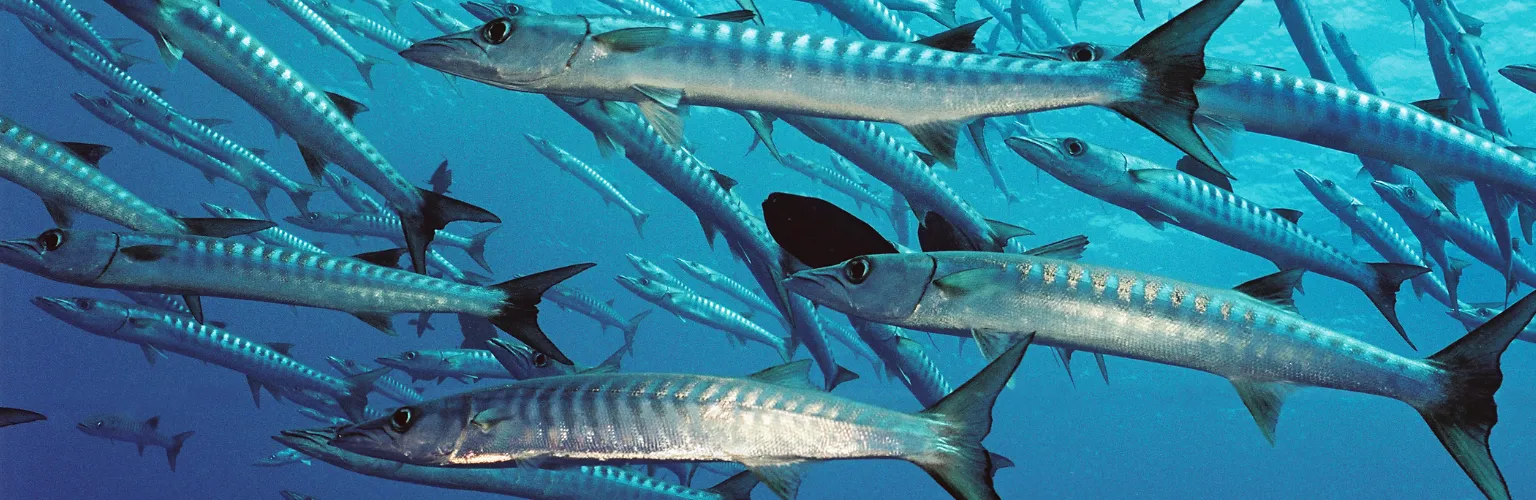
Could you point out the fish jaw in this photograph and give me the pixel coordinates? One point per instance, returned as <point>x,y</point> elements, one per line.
<point>823,287</point>
<point>23,254</point>
<point>457,54</point>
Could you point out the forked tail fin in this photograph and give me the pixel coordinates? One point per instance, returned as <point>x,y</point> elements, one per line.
<point>174,449</point>
<point>965,471</point>
<point>519,314</point>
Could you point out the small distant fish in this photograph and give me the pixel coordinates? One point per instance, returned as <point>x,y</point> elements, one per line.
<point>351,195</point>
<point>145,433</point>
<point>285,456</point>
<point>463,365</point>
<point>386,386</point>
<point>13,416</point>
<point>294,495</point>
<point>443,21</point>
<point>387,225</point>
<point>718,281</point>
<point>524,363</point>
<point>655,272</point>
<point>771,423</point>
<point>872,18</point>
<point>688,306</point>
<point>1436,225</point>
<point>835,179</point>
<point>1475,315</point>
<point>79,27</point>
<point>272,236</point>
<point>589,176</point>
<point>362,25</point>
<point>190,265</point>
<point>585,304</point>
<point>301,13</point>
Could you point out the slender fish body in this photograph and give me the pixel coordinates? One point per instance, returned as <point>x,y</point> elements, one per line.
<point>386,386</point>
<point>285,456</point>
<point>300,12</point>
<point>1523,75</point>
<point>1376,232</point>
<point>675,417</point>
<point>27,10</point>
<point>464,365</point>
<point>1170,196</point>
<point>362,25</point>
<point>319,121</point>
<point>1471,237</point>
<point>441,20</point>
<point>169,303</point>
<point>871,18</point>
<point>905,360</point>
<point>569,483</point>
<point>1297,17</point>
<point>655,273</point>
<point>265,365</point>
<point>85,59</point>
<point>69,18</point>
<point>589,176</point>
<point>1354,68</point>
<point>833,179</point>
<point>353,196</point>
<point>719,281</point>
<point>1249,335</point>
<point>1473,316</point>
<point>572,299</point>
<point>691,307</point>
<point>387,225</point>
<point>271,236</point>
<point>140,433</point>
<point>194,265</point>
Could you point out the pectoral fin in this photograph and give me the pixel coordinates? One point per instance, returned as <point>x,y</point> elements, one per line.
<point>1263,400</point>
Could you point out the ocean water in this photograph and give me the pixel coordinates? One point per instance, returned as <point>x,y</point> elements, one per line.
<point>1153,432</point>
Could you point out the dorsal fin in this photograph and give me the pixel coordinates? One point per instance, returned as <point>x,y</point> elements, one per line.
<point>153,422</point>
<point>725,181</point>
<point>386,258</point>
<point>1288,214</point>
<point>347,106</point>
<point>958,39</point>
<point>796,374</point>
<point>89,153</point>
<point>1005,231</point>
<point>733,16</point>
<point>1439,108</point>
<point>215,227</point>
<point>1275,289</point>
<point>633,39</point>
<point>1528,152</point>
<point>1067,249</point>
<point>1194,168</point>
<point>281,347</point>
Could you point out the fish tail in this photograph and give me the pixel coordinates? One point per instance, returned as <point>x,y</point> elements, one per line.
<point>358,387</point>
<point>737,487</point>
<point>259,197</point>
<point>476,248</point>
<point>365,68</point>
<point>1173,58</point>
<point>519,312</point>
<point>1465,414</point>
<point>1389,278</point>
<point>640,218</point>
<point>631,328</point>
<point>175,448</point>
<point>943,12</point>
<point>436,212</point>
<point>302,195</point>
<point>965,468</point>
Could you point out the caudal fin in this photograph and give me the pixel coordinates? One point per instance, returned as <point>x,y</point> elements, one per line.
<point>631,328</point>
<point>519,314</point>
<point>1383,293</point>
<point>355,402</point>
<point>640,218</point>
<point>476,248</point>
<point>436,212</point>
<point>302,195</point>
<point>1173,57</point>
<point>965,470</point>
<point>175,447</point>
<point>1465,415</point>
<point>365,68</point>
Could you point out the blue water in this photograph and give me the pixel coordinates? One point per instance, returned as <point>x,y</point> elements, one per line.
<point>1153,432</point>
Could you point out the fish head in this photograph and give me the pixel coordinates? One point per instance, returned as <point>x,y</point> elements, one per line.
<point>1074,161</point>
<point>1407,200</point>
<point>516,52</point>
<point>283,457</point>
<point>104,425</point>
<point>525,363</point>
<point>1472,316</point>
<point>1078,52</point>
<point>646,288</point>
<point>142,106</point>
<point>343,365</point>
<point>643,265</point>
<point>66,255</point>
<point>310,220</point>
<point>412,361</point>
<point>421,434</point>
<point>223,212</point>
<point>1330,193</point>
<point>879,288</point>
<point>541,144</point>
<point>92,315</point>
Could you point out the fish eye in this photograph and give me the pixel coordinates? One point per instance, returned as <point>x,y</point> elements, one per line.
<point>84,304</point>
<point>100,423</point>
<point>497,31</point>
<point>409,355</point>
<point>1074,147</point>
<point>514,9</point>
<point>856,270</point>
<point>1328,183</point>
<point>402,419</point>
<point>540,360</point>
<point>1082,52</point>
<point>51,239</point>
<point>1410,194</point>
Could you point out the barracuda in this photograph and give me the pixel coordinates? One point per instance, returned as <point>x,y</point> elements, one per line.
<point>1436,225</point>
<point>585,304</point>
<point>141,434</point>
<point>905,360</point>
<point>439,19</point>
<point>1290,106</point>
<point>353,196</point>
<point>271,236</point>
<point>941,11</point>
<point>362,25</point>
<point>871,18</point>
<point>169,303</point>
<point>879,154</point>
<point>848,338</point>
<point>73,21</point>
<point>589,176</point>
<point>718,281</point>
<point>1250,335</point>
<point>386,386</point>
<point>200,135</point>
<point>688,306</point>
<point>524,363</point>
<point>264,365</point>
<point>1170,196</point>
<point>327,35</point>
<point>319,121</point>
<point>285,456</point>
<point>205,266</point>
<point>87,60</point>
<point>569,483</point>
<point>211,168</point>
<point>27,10</point>
<point>771,423</point>
<point>1475,315</point>
<point>834,179</point>
<point>1378,233</point>
<point>387,225</point>
<point>663,63</point>
<point>463,365</point>
<point>656,273</point>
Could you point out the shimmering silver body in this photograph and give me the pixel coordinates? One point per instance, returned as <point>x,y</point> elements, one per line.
<point>587,175</point>
<point>655,273</point>
<point>300,12</point>
<point>834,179</point>
<point>573,299</point>
<point>721,282</point>
<point>1122,313</point>
<point>905,359</point>
<point>69,18</point>
<point>870,18</point>
<point>1376,232</point>
<point>27,10</point>
<point>1441,226</point>
<point>351,195</point>
<point>362,25</point>
<point>386,386</point>
<point>84,58</point>
<point>459,364</point>
<point>285,456</point>
<point>676,417</point>
<point>441,20</point>
<point>271,236</point>
<point>58,176</point>
<point>692,307</point>
<point>380,225</point>
<point>571,483</point>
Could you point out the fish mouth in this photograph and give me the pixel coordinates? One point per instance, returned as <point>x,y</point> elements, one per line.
<point>1033,150</point>
<point>822,287</point>
<point>440,53</point>
<point>54,304</point>
<point>391,362</point>
<point>1308,179</point>
<point>301,439</point>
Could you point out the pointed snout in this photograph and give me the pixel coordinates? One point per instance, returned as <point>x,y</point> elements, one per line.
<point>437,53</point>
<point>1035,151</point>
<point>820,286</point>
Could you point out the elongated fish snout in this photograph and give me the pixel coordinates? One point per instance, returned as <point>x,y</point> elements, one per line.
<point>449,54</point>
<point>1035,151</point>
<point>821,286</point>
<point>54,304</point>
<point>1311,181</point>
<point>23,254</point>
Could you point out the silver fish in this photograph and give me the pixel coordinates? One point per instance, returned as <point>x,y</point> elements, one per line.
<point>386,386</point>
<point>905,360</point>
<point>589,176</point>
<point>1436,225</point>
<point>719,281</point>
<point>285,456</point>
<point>871,18</point>
<point>327,35</point>
<point>71,20</point>
<point>662,63</point>
<point>351,195</point>
<point>1475,315</point>
<point>443,21</point>
<point>941,11</point>
<point>141,434</point>
<point>654,272</point>
<point>272,236</point>
<point>319,121</point>
<point>567,483</point>
<point>834,179</point>
<point>387,225</point>
<point>688,306</point>
<point>585,304</point>
<point>524,363</point>
<point>769,423</point>
<point>1250,335</point>
<point>362,25</point>
<point>1162,195</point>
<point>27,10</point>
<point>464,365</point>
<point>1297,17</point>
<point>87,60</point>
<point>202,266</point>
